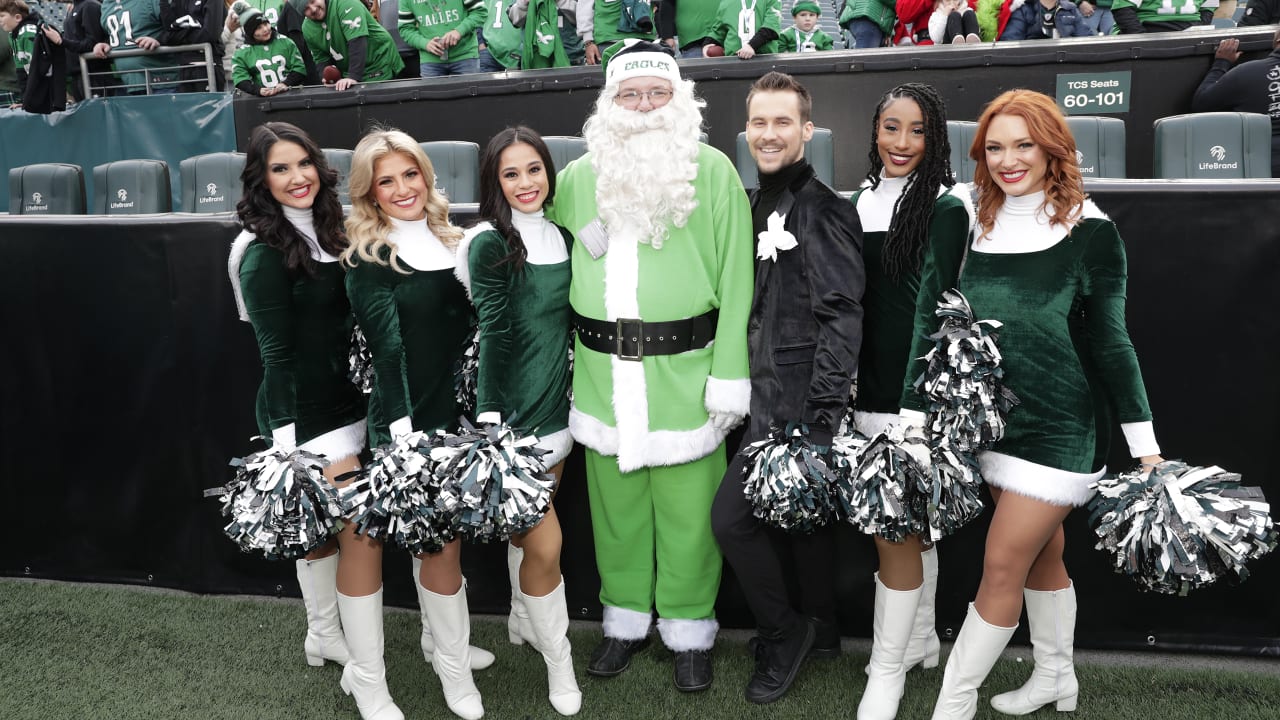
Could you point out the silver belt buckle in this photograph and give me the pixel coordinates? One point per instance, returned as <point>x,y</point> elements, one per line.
<point>620,331</point>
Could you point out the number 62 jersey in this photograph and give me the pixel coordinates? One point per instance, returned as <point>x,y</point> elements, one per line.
<point>268,64</point>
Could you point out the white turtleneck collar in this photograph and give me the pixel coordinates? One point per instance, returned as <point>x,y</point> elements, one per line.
<point>304,222</point>
<point>875,207</point>
<point>1021,226</point>
<point>418,247</point>
<point>543,243</point>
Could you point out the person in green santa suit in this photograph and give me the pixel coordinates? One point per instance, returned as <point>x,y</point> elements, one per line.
<point>345,35</point>
<point>661,290</point>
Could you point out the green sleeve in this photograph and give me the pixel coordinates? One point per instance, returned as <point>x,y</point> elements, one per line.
<point>409,29</point>
<point>313,33</point>
<point>268,297</point>
<point>23,46</point>
<point>823,41</point>
<point>373,302</point>
<point>948,235</point>
<point>240,68</point>
<point>787,40</point>
<point>773,15</point>
<point>736,249</point>
<point>490,290</point>
<point>353,18</point>
<point>476,14</point>
<point>1105,275</point>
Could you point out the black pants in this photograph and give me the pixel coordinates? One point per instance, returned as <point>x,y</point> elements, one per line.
<point>759,556</point>
<point>961,22</point>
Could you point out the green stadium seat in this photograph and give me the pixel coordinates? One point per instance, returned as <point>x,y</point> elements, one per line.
<point>340,161</point>
<point>960,134</point>
<point>131,187</point>
<point>1099,145</point>
<point>565,149</point>
<point>46,189</point>
<point>1218,145</point>
<point>819,151</point>
<point>457,166</point>
<point>211,183</point>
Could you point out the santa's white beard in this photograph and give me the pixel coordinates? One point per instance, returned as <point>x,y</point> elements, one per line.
<point>645,165</point>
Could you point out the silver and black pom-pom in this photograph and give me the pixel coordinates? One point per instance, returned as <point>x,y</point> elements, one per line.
<point>787,482</point>
<point>880,482</point>
<point>1179,528</point>
<point>360,362</point>
<point>494,479</point>
<point>280,504</point>
<point>466,374</point>
<point>964,380</point>
<point>952,497</point>
<point>395,498</point>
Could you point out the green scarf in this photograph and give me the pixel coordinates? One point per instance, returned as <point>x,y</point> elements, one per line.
<point>542,46</point>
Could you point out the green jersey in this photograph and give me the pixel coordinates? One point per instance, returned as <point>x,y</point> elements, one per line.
<point>23,45</point>
<point>740,20</point>
<point>696,19</point>
<point>607,14</point>
<point>501,37</point>
<point>271,8</point>
<point>125,22</point>
<point>792,40</point>
<point>1162,10</point>
<point>344,21</point>
<point>423,20</point>
<point>267,65</point>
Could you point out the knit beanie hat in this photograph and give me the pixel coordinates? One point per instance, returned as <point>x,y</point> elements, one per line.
<point>641,58</point>
<point>802,5</point>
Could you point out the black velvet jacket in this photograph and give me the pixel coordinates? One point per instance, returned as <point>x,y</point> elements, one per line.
<point>805,328</point>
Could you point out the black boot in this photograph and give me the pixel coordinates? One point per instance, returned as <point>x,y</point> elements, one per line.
<point>826,639</point>
<point>693,670</point>
<point>778,661</point>
<point>613,655</point>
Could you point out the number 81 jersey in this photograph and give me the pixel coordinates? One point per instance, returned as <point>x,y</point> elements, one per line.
<point>267,65</point>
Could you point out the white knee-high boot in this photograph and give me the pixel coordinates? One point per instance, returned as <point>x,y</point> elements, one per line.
<point>895,615</point>
<point>976,650</point>
<point>549,617</point>
<point>924,647</point>
<point>365,676</point>
<point>480,658</point>
<point>318,581</point>
<point>451,628</point>
<point>1051,616</point>
<point>518,629</point>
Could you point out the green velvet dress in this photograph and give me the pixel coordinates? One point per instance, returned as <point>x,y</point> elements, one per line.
<point>891,305</point>
<point>417,324</point>
<point>524,338</point>
<point>303,327</point>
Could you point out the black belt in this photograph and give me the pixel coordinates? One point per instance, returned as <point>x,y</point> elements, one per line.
<point>632,339</point>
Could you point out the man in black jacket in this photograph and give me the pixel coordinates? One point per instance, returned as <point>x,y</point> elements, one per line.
<point>191,22</point>
<point>1261,12</point>
<point>80,32</point>
<point>1252,87</point>
<point>803,337</point>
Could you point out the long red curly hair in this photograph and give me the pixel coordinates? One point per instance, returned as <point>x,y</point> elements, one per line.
<point>1063,186</point>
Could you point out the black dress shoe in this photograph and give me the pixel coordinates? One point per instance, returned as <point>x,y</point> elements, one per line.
<point>778,662</point>
<point>613,655</point>
<point>693,670</point>
<point>826,639</point>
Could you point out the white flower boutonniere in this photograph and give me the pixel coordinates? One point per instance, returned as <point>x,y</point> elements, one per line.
<point>774,238</point>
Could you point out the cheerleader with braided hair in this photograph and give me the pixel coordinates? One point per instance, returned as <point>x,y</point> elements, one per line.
<point>915,222</point>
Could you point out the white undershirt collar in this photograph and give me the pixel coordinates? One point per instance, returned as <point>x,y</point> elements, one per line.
<point>543,243</point>
<point>303,220</point>
<point>418,247</point>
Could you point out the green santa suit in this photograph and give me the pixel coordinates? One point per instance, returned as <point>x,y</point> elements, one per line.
<point>793,40</point>
<point>524,321</point>
<point>266,65</point>
<point>125,22</point>
<point>417,320</point>
<point>743,20</point>
<point>1060,294</point>
<point>655,459</point>
<point>892,307</point>
<point>423,20</point>
<point>303,326</point>
<point>344,21</point>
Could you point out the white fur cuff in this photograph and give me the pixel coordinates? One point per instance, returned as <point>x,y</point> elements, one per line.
<point>728,396</point>
<point>679,634</point>
<point>343,442</point>
<point>1038,482</point>
<point>625,624</point>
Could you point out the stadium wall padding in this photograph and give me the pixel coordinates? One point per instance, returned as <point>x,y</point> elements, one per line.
<point>100,130</point>
<point>127,383</point>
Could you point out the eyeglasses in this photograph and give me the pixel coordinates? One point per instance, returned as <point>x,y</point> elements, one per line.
<point>631,98</point>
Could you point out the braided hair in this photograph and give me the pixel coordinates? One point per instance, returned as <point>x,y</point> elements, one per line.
<point>909,229</point>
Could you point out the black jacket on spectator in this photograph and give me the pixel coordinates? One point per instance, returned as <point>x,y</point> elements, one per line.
<point>290,25</point>
<point>1245,88</point>
<point>190,22</point>
<point>1261,12</point>
<point>43,84</point>
<point>80,32</point>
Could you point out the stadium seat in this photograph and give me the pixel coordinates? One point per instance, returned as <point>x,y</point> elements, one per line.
<point>340,161</point>
<point>131,187</point>
<point>960,134</point>
<point>1219,145</point>
<point>211,183</point>
<point>46,189</point>
<point>1099,145</point>
<point>565,149</point>
<point>457,166</point>
<point>819,151</point>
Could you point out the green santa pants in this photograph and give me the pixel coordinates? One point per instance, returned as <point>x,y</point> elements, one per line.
<point>653,535</point>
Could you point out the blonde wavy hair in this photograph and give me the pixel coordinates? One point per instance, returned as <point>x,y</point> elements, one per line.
<point>368,227</point>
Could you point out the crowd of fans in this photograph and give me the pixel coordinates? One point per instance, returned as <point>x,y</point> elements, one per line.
<point>265,47</point>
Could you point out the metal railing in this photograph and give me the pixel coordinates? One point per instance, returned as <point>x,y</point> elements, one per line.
<point>209,81</point>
